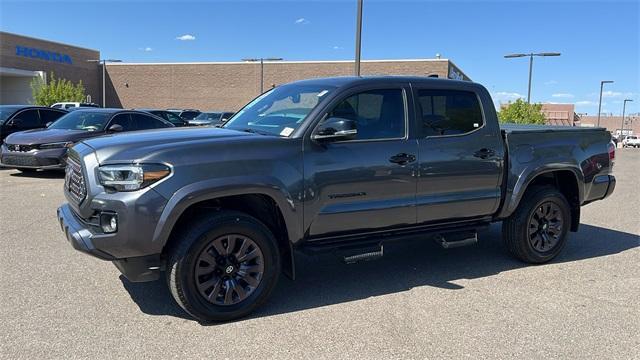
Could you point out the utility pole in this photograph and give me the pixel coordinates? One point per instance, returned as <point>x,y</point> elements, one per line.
<point>358,37</point>
<point>600,102</point>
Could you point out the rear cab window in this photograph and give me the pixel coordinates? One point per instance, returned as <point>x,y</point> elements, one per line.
<point>448,112</point>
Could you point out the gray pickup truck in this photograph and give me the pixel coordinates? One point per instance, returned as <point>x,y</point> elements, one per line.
<point>337,164</point>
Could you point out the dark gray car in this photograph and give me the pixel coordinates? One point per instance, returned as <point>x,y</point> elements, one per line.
<point>15,118</point>
<point>341,164</point>
<point>47,148</point>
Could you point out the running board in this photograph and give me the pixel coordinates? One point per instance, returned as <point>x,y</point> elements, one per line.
<point>362,254</point>
<point>454,240</point>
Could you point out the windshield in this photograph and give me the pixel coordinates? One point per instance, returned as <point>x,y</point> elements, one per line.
<point>82,120</point>
<point>208,116</point>
<point>279,111</point>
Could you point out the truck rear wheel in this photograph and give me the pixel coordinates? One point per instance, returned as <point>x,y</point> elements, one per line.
<point>537,231</point>
<point>223,266</point>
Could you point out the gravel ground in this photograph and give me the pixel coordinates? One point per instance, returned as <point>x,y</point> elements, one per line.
<point>419,301</point>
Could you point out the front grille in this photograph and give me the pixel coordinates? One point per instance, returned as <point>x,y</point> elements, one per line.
<point>21,148</point>
<point>18,160</point>
<point>74,182</point>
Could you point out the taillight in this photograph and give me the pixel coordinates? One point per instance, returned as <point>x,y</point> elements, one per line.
<point>612,153</point>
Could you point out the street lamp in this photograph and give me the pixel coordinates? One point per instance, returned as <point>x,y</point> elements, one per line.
<point>624,105</point>
<point>531,55</point>
<point>600,102</point>
<point>262,60</point>
<point>104,61</point>
<point>358,37</point>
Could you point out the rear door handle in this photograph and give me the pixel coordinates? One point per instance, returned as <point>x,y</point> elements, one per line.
<point>402,158</point>
<point>484,153</point>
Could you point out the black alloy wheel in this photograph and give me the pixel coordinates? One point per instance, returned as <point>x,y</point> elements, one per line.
<point>229,269</point>
<point>545,226</point>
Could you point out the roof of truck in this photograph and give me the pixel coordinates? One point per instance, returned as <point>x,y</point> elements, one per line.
<point>354,80</point>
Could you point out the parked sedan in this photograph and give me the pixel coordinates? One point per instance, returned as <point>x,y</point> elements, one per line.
<point>170,116</point>
<point>47,148</point>
<point>186,114</point>
<point>211,118</point>
<point>14,118</point>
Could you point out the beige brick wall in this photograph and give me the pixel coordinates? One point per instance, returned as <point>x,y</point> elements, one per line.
<point>228,86</point>
<point>80,69</point>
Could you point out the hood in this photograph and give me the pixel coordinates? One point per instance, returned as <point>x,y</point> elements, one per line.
<point>45,136</point>
<point>137,145</point>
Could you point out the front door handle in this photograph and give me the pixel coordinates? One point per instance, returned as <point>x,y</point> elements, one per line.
<point>402,158</point>
<point>484,153</point>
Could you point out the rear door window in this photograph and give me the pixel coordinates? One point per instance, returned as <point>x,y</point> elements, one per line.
<point>448,112</point>
<point>48,116</point>
<point>144,122</point>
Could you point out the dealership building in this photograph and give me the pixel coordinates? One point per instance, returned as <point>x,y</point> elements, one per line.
<point>200,85</point>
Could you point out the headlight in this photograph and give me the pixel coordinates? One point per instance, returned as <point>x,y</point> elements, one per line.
<point>131,177</point>
<point>57,145</point>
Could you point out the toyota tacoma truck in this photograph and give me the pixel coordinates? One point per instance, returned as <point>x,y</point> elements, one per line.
<point>338,164</point>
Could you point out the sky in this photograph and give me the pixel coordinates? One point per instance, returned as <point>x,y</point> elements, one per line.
<point>598,40</point>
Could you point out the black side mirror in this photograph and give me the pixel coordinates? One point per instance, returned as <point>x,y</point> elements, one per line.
<point>333,129</point>
<point>115,128</point>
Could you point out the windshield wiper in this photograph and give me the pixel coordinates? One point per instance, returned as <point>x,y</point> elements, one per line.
<point>254,131</point>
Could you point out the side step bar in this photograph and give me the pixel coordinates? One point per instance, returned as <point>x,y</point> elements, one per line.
<point>362,254</point>
<point>454,240</point>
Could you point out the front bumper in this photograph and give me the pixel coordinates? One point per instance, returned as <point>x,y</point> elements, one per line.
<point>49,159</point>
<point>84,238</point>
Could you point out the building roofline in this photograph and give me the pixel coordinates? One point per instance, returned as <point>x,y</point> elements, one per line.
<point>277,62</point>
<point>49,41</point>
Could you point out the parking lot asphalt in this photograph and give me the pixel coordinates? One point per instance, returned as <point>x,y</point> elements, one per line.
<point>419,301</point>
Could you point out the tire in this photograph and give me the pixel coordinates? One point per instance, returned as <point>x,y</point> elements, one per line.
<point>199,248</point>
<point>524,231</point>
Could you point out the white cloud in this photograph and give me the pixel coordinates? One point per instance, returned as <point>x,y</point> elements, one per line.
<point>504,95</point>
<point>336,47</point>
<point>587,102</point>
<point>562,95</point>
<point>146,49</point>
<point>302,21</point>
<point>550,82</point>
<point>186,37</point>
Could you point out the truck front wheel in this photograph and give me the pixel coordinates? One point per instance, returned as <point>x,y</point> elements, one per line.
<point>537,231</point>
<point>223,266</point>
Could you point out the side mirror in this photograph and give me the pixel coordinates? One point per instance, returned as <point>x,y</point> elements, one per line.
<point>15,122</point>
<point>334,129</point>
<point>115,128</point>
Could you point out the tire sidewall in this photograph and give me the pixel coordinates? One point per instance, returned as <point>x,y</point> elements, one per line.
<point>185,267</point>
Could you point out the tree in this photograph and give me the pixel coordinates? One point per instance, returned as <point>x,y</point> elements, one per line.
<point>57,90</point>
<point>521,112</point>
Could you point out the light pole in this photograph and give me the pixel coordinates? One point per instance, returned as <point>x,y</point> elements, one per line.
<point>358,37</point>
<point>262,60</point>
<point>104,61</point>
<point>600,102</point>
<point>624,105</point>
<point>531,55</point>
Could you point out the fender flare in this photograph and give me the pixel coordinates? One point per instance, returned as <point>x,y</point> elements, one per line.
<point>514,194</point>
<point>215,188</point>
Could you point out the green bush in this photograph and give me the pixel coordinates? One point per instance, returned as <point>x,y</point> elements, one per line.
<point>57,90</point>
<point>521,112</point>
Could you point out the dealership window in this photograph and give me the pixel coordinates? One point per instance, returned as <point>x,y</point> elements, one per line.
<point>379,114</point>
<point>448,112</point>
